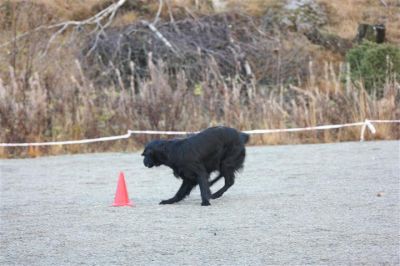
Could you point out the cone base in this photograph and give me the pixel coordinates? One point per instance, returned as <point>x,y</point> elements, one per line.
<point>129,203</point>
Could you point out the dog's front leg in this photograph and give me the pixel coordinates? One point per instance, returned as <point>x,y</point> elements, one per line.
<point>183,191</point>
<point>202,180</point>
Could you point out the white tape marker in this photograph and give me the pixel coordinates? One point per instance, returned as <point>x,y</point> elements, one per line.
<point>266,131</point>
<point>155,132</point>
<point>68,142</point>
<point>366,124</point>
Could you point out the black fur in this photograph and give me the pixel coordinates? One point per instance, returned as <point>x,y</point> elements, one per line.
<point>193,159</point>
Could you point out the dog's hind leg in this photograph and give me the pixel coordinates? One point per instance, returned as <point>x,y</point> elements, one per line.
<point>229,166</point>
<point>229,181</point>
<point>183,191</point>
<point>212,182</point>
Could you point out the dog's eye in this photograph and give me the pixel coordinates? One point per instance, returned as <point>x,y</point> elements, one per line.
<point>146,153</point>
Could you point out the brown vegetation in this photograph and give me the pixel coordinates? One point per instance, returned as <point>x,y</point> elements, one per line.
<point>46,96</point>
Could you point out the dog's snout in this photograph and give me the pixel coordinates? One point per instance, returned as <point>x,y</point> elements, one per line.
<point>147,162</point>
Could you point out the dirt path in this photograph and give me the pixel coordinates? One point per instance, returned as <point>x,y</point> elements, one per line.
<point>307,204</point>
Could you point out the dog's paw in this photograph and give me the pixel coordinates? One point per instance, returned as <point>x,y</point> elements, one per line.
<point>215,196</point>
<point>163,202</point>
<point>205,203</point>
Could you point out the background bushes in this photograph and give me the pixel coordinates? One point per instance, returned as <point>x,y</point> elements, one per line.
<point>373,64</point>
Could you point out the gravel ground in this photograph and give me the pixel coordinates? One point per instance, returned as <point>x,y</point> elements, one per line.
<point>304,204</point>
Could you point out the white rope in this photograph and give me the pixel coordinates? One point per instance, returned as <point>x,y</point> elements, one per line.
<point>68,142</point>
<point>155,132</point>
<point>364,125</point>
<point>267,131</point>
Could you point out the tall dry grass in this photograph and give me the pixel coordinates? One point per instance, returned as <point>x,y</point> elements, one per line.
<point>49,98</point>
<point>35,111</point>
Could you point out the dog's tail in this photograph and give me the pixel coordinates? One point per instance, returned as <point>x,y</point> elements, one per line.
<point>244,137</point>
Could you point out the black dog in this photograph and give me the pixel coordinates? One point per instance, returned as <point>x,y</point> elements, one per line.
<point>194,158</point>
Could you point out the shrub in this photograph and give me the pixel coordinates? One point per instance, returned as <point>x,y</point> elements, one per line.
<point>231,40</point>
<point>373,64</point>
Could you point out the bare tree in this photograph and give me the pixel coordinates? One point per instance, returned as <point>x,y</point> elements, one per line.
<point>101,21</point>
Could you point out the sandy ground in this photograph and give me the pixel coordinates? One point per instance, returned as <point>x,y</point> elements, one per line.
<point>306,204</point>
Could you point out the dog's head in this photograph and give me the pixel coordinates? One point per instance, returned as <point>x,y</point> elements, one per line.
<point>154,153</point>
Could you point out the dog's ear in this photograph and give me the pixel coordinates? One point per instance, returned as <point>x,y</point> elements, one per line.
<point>160,151</point>
<point>156,151</point>
<point>162,147</point>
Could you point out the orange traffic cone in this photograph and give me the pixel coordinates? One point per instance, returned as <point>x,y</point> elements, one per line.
<point>121,196</point>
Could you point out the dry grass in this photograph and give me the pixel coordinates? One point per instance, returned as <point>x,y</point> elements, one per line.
<point>253,7</point>
<point>48,98</point>
<point>38,112</point>
<point>65,9</point>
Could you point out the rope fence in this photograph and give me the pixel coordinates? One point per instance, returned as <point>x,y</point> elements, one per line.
<point>364,125</point>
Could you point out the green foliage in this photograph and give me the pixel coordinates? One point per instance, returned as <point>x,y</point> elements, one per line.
<point>374,64</point>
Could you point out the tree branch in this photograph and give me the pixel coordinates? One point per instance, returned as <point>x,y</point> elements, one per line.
<point>384,3</point>
<point>97,20</point>
<point>153,28</point>
<point>160,5</point>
